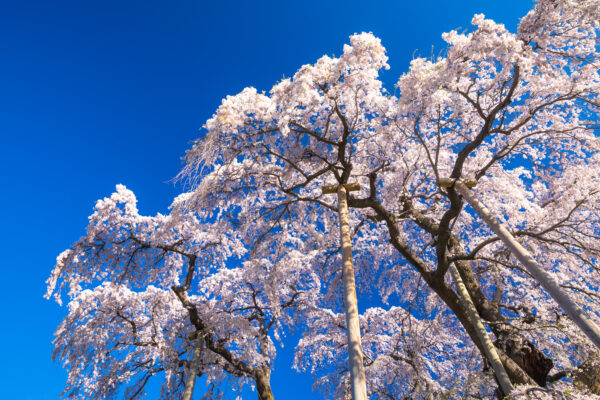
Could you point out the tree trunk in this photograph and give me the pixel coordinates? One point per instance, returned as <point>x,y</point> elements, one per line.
<point>262,377</point>
<point>587,374</point>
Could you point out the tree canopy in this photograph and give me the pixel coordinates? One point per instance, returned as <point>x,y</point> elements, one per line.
<point>250,249</point>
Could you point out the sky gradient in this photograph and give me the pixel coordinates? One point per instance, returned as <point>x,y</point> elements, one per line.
<point>93,94</point>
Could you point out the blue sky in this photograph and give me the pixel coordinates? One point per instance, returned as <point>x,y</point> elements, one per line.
<point>98,93</point>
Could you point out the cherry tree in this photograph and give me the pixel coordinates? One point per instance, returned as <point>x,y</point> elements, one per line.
<point>141,288</point>
<point>515,111</point>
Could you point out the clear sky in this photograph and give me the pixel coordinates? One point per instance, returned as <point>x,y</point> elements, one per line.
<point>93,94</point>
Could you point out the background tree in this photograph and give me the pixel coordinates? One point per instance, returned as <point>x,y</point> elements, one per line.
<point>142,287</point>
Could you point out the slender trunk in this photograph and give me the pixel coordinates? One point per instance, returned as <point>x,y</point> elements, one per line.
<point>357,370</point>
<point>190,382</point>
<point>488,346</point>
<point>262,377</point>
<point>578,315</point>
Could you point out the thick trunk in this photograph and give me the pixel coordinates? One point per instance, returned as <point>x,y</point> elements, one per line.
<point>587,374</point>
<point>262,377</point>
<point>526,355</point>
